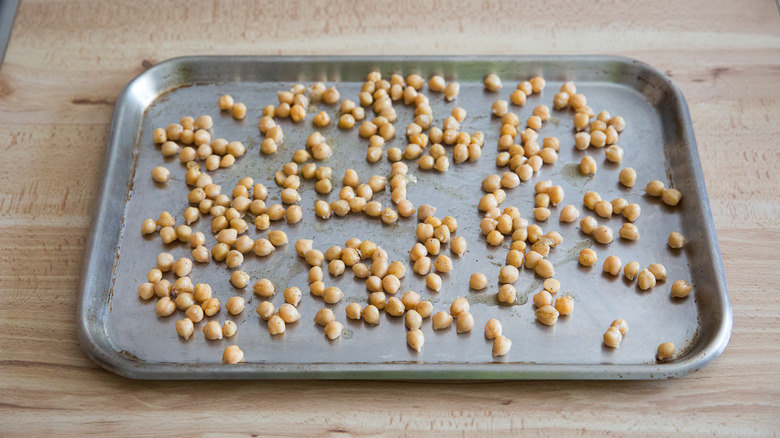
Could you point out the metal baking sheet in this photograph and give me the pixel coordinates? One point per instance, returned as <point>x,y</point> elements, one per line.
<point>122,333</point>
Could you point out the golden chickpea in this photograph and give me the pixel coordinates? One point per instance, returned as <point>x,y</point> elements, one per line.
<point>441,320</point>
<point>443,263</point>
<point>544,268</point>
<point>603,234</point>
<point>265,310</point>
<point>495,238</point>
<point>185,327</point>
<point>174,131</point>
<point>370,314</point>
<point>413,320</point>
<point>235,305</point>
<point>613,337</point>
<point>492,82</point>
<point>613,265</point>
<point>394,307</point>
<point>631,212</point>
<point>627,177</point>
<point>289,313</point>
<point>629,232</point>
<point>317,288</point>
<point>229,329</point>
<point>324,317</point>
<point>541,213</point>
<point>655,188</point>
<point>232,355</point>
<point>681,289</point>
<point>415,339</point>
<point>239,279</point>
<point>547,315</point>
<point>671,197</point>
<point>332,295</point>
<point>532,259</point>
<point>451,91</point>
<point>676,240</point>
<point>645,279</point>
<point>460,305</point>
<point>658,270</point>
<point>564,305</point>
<point>542,299</point>
<point>239,111</point>
<point>587,257</point>
<point>212,331</point>
<point>277,237</point>
<point>603,208</point>
<point>499,108</point>
<point>276,325</point>
<point>508,274</point>
<point>146,291</point>
<point>587,165</point>
<point>631,270</point>
<point>614,154</point>
<point>464,322</point>
<point>160,174</point>
<point>264,288</point>
<point>665,351</point>
<point>561,100</point>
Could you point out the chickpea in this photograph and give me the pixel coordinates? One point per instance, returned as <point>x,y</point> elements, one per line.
<point>613,337</point>
<point>265,310</point>
<point>264,288</point>
<point>587,165</point>
<point>587,257</point>
<point>317,288</point>
<point>681,289</point>
<point>212,331</point>
<point>532,259</point>
<point>441,320</point>
<point>460,305</point>
<point>354,311</point>
<point>547,315</point>
<point>394,307</point>
<point>508,274</point>
<point>146,291</point>
<point>564,305</point>
<point>588,224</point>
<point>676,240</point>
<point>603,234</point>
<point>276,325</point>
<point>289,313</point>
<point>629,232</point>
<point>603,208</point>
<point>160,174</point>
<point>665,351</point>
<point>443,263</point>
<point>451,91</point>
<point>499,108</point>
<point>332,295</point>
<point>184,328</point>
<point>631,270</point>
<point>239,279</point>
<point>324,317</point>
<point>277,237</point>
<point>627,177</point>
<point>561,100</point>
<point>495,238</point>
<point>492,82</point>
<point>671,197</point>
<point>655,188</point>
<point>542,299</point>
<point>541,213</point>
<point>645,279</point>
<point>148,226</point>
<point>413,320</point>
<point>239,111</point>
<point>631,212</point>
<point>229,329</point>
<point>464,322</point>
<point>614,154</point>
<point>658,270</point>
<point>194,313</point>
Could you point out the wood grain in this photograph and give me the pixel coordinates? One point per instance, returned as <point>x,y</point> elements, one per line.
<point>68,61</point>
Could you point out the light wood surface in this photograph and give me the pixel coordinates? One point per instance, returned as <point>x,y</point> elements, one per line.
<point>68,61</point>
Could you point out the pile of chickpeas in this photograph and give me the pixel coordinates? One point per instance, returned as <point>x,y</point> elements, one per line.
<point>520,154</point>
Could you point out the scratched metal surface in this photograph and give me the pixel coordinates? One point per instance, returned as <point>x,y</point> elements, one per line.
<point>121,332</point>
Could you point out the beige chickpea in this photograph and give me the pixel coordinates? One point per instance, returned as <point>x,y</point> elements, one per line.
<point>658,270</point>
<point>665,351</point>
<point>289,313</point>
<point>629,232</point>
<point>443,263</point>
<point>564,305</point>
<point>631,270</point>
<point>276,325</point>
<point>508,274</point>
<point>229,329</point>
<point>170,148</point>
<point>671,197</point>
<point>603,234</point>
<point>676,240</point>
<point>332,295</point>
<point>264,288</point>
<point>587,257</point>
<point>232,355</point>
<point>507,294</point>
<point>515,258</point>
<point>265,310</point>
<point>541,213</point>
<point>441,320</point>
<point>587,165</point>
<point>613,337</point>
<point>588,224</point>
<point>315,274</point>
<point>681,289</point>
<point>413,320</point>
<point>277,238</point>
<point>458,246</point>
<point>492,82</point>
<point>294,214</point>
<point>354,311</point>
<point>645,279</point>
<point>493,328</point>
<point>460,305</point>
<point>655,188</point>
<point>613,265</point>
<point>146,291</point>
<point>632,211</point>
<point>627,177</point>
<point>532,258</point>
<point>561,100</point>
<point>542,299</point>
<point>317,288</point>
<point>495,238</point>
<point>194,313</point>
<point>544,268</point>
<point>185,327</point>
<point>547,315</point>
<point>160,174</point>
<point>451,91</point>
<point>371,314</point>
<point>501,345</point>
<point>239,279</point>
<point>212,331</point>
<point>614,154</point>
<point>618,204</point>
<point>603,208</point>
<point>238,110</point>
<point>499,108</point>
<point>324,317</point>
<point>394,307</point>
<point>410,300</point>
<point>415,339</point>
<point>235,305</point>
<point>464,322</point>
<point>148,226</point>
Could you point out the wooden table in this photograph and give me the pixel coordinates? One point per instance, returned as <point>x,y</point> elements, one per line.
<point>68,61</point>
